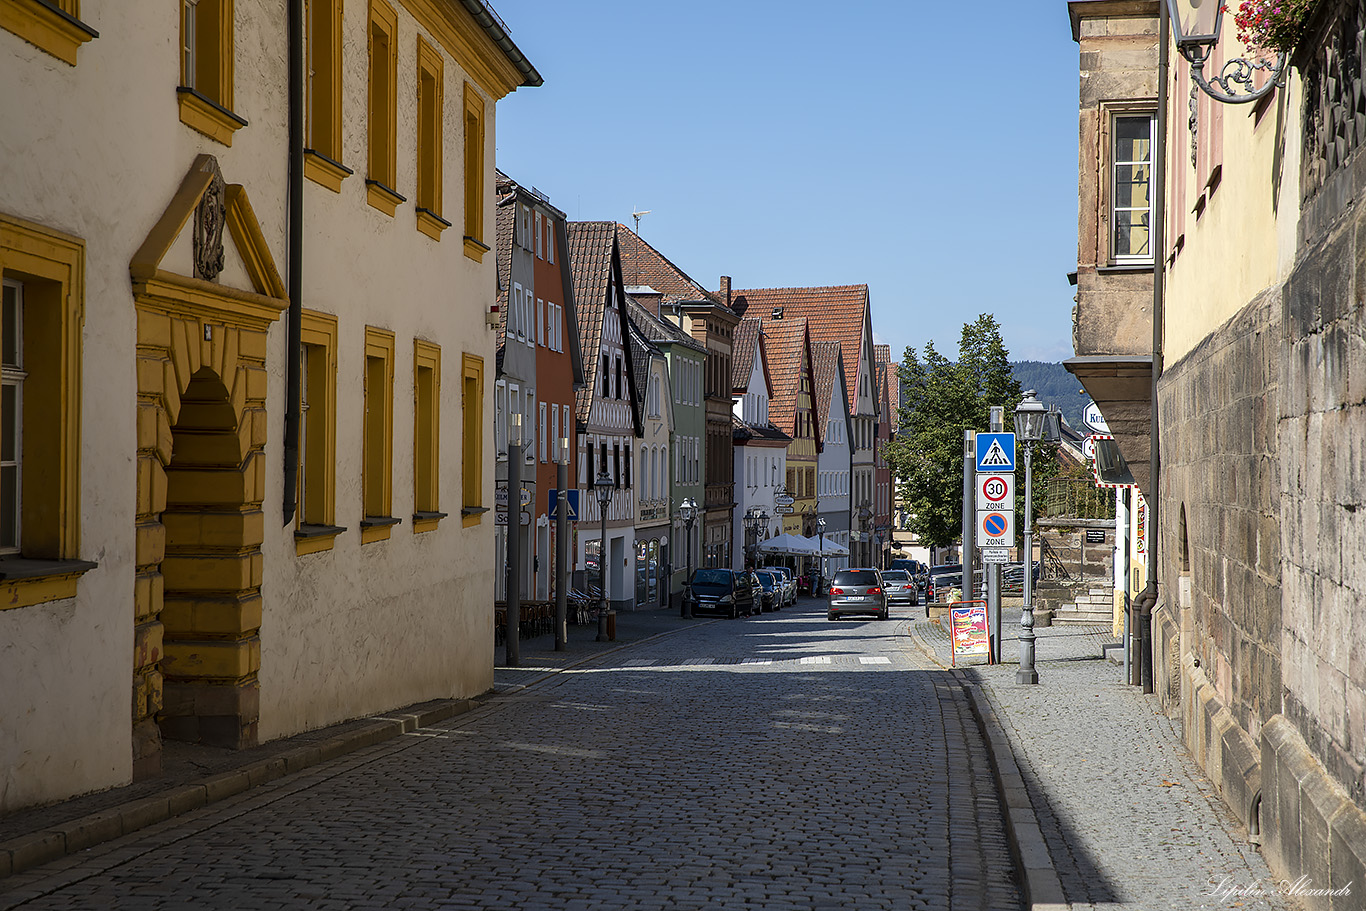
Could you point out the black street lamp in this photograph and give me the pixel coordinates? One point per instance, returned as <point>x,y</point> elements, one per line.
<point>820,575</point>
<point>604,485</point>
<point>687,510</point>
<point>1033,424</point>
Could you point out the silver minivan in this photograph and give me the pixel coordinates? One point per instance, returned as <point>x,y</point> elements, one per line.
<point>857,591</point>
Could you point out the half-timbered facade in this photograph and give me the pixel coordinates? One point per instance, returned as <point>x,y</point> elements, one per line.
<point>608,413</point>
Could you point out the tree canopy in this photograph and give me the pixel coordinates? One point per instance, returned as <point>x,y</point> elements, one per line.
<point>939,400</point>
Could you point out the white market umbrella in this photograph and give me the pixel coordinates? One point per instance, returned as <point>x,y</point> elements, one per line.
<point>789,544</point>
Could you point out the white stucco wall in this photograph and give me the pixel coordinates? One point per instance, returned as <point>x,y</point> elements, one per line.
<point>97,151</point>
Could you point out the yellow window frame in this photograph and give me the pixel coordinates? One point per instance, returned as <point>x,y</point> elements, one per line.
<point>377,436</point>
<point>53,26</point>
<point>316,517</point>
<point>472,454</point>
<point>426,436</point>
<point>430,115</point>
<point>205,92</point>
<point>52,267</point>
<point>382,115</point>
<point>475,248</point>
<point>323,155</point>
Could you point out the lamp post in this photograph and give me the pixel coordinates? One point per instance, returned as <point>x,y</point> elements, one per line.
<point>688,511</point>
<point>1196,26</point>
<point>514,547</point>
<point>820,575</point>
<point>1033,424</point>
<point>865,514</point>
<point>604,491</point>
<point>562,547</point>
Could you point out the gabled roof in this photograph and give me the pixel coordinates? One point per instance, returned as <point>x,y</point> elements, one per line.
<point>505,223</point>
<point>890,382</point>
<point>744,345</point>
<point>597,269</point>
<point>642,264</point>
<point>826,365</point>
<point>743,431</point>
<point>641,350</point>
<point>836,313</point>
<point>788,346</point>
<point>661,330</point>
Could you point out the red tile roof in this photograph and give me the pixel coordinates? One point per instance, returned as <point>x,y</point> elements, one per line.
<point>835,313</point>
<point>642,264</point>
<point>590,257</point>
<point>787,343</point>
<point>744,344</point>
<point>825,357</point>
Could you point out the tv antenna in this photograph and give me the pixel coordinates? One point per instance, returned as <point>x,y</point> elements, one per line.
<point>636,216</point>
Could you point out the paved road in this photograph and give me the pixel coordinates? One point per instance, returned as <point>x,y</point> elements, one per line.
<point>774,762</point>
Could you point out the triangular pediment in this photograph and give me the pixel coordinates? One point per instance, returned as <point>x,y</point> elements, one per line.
<point>189,243</point>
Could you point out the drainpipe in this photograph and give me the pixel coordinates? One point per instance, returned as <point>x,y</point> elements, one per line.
<point>1148,599</point>
<point>295,255</point>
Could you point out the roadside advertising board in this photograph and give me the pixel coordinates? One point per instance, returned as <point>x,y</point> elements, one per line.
<point>968,630</point>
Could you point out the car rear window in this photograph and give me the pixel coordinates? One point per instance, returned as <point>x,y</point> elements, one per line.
<point>896,575</point>
<point>711,577</point>
<point>856,577</point>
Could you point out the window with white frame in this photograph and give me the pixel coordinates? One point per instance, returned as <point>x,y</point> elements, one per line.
<point>540,321</point>
<point>1130,188</point>
<point>539,248</point>
<point>544,438</point>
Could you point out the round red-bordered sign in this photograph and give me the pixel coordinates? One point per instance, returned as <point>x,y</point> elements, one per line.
<point>995,489</point>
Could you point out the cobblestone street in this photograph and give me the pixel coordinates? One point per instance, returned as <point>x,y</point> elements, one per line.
<point>775,762</point>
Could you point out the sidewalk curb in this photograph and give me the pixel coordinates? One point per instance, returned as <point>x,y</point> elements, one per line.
<point>1039,879</point>
<point>28,851</point>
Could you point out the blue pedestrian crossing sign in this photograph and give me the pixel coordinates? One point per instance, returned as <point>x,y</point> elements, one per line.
<point>571,500</point>
<point>995,452</point>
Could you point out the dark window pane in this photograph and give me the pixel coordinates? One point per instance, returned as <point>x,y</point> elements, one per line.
<point>9,506</point>
<point>8,426</point>
<point>9,330</point>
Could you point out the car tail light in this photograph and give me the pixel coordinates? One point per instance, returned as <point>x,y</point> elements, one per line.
<point>836,591</point>
<point>874,590</point>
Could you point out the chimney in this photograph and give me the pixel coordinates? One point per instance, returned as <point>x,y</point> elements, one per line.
<point>725,289</point>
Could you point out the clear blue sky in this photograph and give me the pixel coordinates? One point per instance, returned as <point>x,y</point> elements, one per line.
<point>928,149</point>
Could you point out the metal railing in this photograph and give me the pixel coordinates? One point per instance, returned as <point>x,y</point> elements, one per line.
<point>1077,498</point>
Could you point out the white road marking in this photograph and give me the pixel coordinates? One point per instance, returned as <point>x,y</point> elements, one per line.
<point>640,662</point>
<point>874,659</point>
<point>757,661</point>
<point>816,659</point>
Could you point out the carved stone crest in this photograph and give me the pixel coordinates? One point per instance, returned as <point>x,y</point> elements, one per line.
<point>208,227</point>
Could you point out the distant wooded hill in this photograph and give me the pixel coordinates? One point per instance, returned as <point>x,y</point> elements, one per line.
<point>1054,386</point>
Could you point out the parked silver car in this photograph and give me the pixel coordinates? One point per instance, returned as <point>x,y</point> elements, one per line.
<point>901,587</point>
<point>857,591</point>
<point>789,582</point>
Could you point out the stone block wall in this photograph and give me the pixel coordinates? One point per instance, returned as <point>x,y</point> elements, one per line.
<point>1220,513</point>
<point>1323,487</point>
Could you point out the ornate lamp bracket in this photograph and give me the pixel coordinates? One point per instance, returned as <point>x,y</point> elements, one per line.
<point>1235,82</point>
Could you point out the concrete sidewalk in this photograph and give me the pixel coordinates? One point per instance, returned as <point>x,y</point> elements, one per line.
<point>1106,807</point>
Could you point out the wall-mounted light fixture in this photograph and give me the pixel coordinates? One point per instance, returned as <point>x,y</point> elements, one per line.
<point>1195,26</point>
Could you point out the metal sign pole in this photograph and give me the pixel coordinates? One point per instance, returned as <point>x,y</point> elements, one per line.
<point>993,570</point>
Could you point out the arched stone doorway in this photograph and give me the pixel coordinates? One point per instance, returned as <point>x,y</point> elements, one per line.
<point>201,381</point>
<point>211,608</point>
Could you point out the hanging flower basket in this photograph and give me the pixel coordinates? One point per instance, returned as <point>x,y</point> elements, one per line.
<point>1272,25</point>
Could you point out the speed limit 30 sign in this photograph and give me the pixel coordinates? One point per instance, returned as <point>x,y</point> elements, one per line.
<point>996,492</point>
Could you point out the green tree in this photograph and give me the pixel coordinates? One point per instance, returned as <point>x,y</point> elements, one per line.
<point>940,399</point>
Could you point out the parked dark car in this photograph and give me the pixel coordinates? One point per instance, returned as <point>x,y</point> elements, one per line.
<point>772,584</point>
<point>857,591</point>
<point>715,590</point>
<point>944,579</point>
